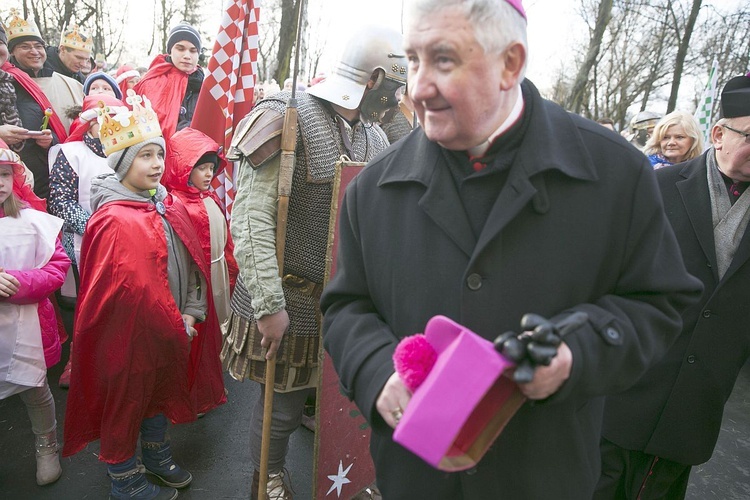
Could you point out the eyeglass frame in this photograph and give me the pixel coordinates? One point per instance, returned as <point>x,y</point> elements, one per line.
<point>746,135</point>
<point>39,47</point>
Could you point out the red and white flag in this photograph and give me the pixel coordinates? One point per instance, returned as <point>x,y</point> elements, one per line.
<point>227,92</point>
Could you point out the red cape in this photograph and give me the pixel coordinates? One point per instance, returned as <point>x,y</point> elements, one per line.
<point>132,358</point>
<point>165,87</point>
<point>38,95</point>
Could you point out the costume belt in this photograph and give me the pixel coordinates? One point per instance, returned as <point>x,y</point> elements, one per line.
<point>303,285</point>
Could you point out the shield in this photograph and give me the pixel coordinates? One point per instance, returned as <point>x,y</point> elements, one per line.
<point>343,466</point>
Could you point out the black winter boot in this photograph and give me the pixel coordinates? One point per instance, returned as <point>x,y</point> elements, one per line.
<point>157,458</point>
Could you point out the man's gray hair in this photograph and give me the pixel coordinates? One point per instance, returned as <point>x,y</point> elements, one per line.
<point>496,23</point>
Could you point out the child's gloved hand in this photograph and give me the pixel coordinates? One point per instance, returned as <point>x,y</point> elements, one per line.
<point>9,285</point>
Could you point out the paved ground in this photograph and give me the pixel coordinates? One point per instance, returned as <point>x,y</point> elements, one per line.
<point>214,450</point>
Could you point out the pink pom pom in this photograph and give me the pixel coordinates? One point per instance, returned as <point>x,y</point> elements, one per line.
<point>414,358</point>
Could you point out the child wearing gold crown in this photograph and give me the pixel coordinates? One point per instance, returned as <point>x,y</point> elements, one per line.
<point>143,288</point>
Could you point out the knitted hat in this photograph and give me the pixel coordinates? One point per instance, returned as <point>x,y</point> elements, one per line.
<point>120,161</point>
<point>735,97</point>
<point>125,72</point>
<point>100,75</point>
<point>183,31</point>
<point>208,157</point>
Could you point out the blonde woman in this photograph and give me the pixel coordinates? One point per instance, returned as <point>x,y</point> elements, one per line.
<point>675,139</point>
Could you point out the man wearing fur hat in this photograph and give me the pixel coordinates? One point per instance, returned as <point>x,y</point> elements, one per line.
<point>71,55</point>
<point>670,420</point>
<point>42,99</point>
<point>174,80</point>
<point>336,117</point>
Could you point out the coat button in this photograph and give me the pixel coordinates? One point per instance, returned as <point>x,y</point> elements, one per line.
<point>471,472</point>
<point>691,359</point>
<point>707,313</point>
<point>708,264</point>
<point>474,282</point>
<point>612,333</point>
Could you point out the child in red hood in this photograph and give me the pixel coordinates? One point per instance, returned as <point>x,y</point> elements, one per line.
<point>192,162</point>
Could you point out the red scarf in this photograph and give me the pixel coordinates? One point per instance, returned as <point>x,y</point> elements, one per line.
<point>36,93</point>
<point>165,87</point>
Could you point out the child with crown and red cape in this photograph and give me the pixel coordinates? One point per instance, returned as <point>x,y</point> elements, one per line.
<point>32,266</point>
<point>137,360</point>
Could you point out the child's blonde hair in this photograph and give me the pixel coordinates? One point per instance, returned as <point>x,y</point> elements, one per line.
<point>12,205</point>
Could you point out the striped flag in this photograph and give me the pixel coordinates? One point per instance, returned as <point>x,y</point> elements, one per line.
<point>706,104</point>
<point>227,92</point>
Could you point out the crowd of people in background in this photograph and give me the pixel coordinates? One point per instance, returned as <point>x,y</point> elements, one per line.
<point>107,206</point>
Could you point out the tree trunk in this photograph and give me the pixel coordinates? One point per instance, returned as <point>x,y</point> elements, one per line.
<point>682,53</point>
<point>603,17</point>
<point>287,39</point>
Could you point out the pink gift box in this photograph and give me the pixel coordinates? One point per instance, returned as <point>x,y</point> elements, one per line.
<point>463,404</point>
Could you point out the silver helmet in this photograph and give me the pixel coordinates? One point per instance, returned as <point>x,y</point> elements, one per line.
<point>641,126</point>
<point>370,49</point>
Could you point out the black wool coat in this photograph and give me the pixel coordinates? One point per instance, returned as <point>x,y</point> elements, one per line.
<point>578,226</point>
<point>675,410</point>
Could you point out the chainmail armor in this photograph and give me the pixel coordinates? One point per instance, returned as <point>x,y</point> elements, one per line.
<point>319,146</point>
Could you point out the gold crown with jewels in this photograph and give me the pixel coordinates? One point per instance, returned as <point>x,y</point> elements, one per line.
<point>127,128</point>
<point>74,39</point>
<point>18,26</point>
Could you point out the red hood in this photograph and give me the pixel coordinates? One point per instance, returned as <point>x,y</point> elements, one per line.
<point>184,150</point>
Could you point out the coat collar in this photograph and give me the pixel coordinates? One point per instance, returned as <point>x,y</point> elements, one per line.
<point>693,189</point>
<point>552,142</point>
<point>551,129</point>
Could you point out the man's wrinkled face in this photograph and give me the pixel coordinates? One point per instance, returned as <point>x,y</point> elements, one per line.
<point>73,59</point>
<point>732,146</point>
<point>184,56</point>
<point>30,55</point>
<point>458,90</point>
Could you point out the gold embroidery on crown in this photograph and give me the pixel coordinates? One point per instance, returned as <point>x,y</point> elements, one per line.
<point>127,128</point>
<point>73,39</point>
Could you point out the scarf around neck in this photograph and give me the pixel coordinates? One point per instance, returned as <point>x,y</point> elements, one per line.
<point>729,221</point>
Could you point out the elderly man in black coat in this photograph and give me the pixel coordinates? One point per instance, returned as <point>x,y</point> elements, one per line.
<point>501,204</point>
<point>670,420</point>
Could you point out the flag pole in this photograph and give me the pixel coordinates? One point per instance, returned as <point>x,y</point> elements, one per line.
<point>286,171</point>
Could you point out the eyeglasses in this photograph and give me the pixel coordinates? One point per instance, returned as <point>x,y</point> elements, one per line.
<point>27,47</point>
<point>746,135</point>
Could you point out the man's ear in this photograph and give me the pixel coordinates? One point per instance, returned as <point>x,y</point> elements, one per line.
<point>513,58</point>
<point>376,79</point>
<point>717,136</point>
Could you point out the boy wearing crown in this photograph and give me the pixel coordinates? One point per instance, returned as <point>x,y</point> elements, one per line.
<point>143,288</point>
<point>71,55</point>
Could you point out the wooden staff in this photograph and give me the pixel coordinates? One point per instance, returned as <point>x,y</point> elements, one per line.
<point>286,172</point>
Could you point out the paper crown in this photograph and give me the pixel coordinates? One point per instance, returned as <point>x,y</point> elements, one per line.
<point>127,128</point>
<point>464,402</point>
<point>17,26</point>
<point>72,38</point>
